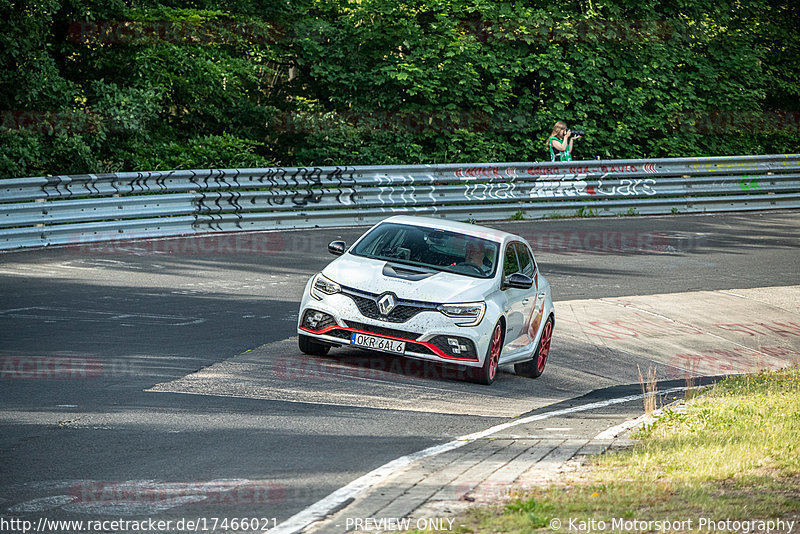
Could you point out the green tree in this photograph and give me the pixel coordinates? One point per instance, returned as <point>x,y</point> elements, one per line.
<point>149,85</point>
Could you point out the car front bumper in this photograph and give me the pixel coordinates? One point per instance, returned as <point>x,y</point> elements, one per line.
<point>428,335</point>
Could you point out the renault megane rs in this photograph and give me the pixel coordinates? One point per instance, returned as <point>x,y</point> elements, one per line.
<point>435,290</point>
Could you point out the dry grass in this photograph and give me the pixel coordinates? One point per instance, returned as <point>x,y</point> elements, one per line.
<point>649,388</point>
<point>689,379</point>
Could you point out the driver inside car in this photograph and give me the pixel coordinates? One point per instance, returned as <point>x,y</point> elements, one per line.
<point>477,255</point>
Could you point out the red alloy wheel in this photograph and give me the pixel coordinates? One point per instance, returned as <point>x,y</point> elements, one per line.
<point>494,354</point>
<point>544,345</point>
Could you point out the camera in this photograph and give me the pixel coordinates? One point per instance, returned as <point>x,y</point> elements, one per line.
<point>578,132</point>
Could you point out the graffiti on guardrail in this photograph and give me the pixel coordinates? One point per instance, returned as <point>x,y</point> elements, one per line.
<point>604,169</point>
<point>490,191</point>
<point>272,198</point>
<point>567,189</point>
<point>568,185</point>
<point>217,202</point>
<point>749,183</point>
<point>650,168</point>
<point>305,176</point>
<point>493,173</point>
<point>277,187</point>
<point>724,166</point>
<point>626,187</point>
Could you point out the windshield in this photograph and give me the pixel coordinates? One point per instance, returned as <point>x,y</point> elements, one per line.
<point>427,247</point>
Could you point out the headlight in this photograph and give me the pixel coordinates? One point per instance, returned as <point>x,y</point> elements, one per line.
<point>323,285</point>
<point>468,313</point>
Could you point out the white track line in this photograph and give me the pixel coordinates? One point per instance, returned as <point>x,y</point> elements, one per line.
<point>615,431</point>
<point>644,419</point>
<point>341,497</point>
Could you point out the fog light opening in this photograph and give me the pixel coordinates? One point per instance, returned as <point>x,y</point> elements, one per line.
<point>455,346</point>
<point>314,319</point>
<point>317,320</point>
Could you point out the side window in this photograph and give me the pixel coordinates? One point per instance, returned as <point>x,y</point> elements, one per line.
<point>526,265</point>
<point>510,264</point>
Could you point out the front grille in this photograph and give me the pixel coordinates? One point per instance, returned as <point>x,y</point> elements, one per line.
<point>369,308</point>
<point>367,304</point>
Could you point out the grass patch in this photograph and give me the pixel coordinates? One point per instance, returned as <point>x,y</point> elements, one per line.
<point>631,212</point>
<point>733,453</point>
<point>586,212</point>
<point>518,216</point>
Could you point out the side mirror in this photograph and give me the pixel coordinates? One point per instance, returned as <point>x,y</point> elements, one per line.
<point>337,248</point>
<point>517,281</point>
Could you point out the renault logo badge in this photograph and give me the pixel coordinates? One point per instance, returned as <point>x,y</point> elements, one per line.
<point>386,304</point>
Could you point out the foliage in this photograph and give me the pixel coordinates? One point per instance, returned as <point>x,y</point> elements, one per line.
<point>324,82</point>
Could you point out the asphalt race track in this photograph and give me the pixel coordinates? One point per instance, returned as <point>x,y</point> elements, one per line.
<point>162,378</point>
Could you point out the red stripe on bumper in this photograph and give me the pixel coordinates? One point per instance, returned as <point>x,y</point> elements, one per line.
<point>436,350</point>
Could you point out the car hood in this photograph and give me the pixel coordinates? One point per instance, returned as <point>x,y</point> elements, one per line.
<point>367,275</point>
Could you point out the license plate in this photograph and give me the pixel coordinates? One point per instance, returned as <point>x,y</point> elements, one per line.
<point>378,343</point>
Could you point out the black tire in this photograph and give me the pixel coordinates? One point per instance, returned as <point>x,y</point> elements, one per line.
<point>535,367</point>
<point>486,374</point>
<point>309,346</point>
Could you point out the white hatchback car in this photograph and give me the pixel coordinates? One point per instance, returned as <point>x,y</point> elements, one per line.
<point>435,290</point>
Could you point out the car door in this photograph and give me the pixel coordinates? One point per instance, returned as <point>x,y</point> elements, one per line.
<point>518,304</point>
<point>533,303</point>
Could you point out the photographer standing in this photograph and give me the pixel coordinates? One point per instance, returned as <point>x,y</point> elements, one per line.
<point>560,142</point>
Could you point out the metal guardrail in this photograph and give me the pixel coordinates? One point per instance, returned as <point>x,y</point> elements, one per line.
<point>99,207</point>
